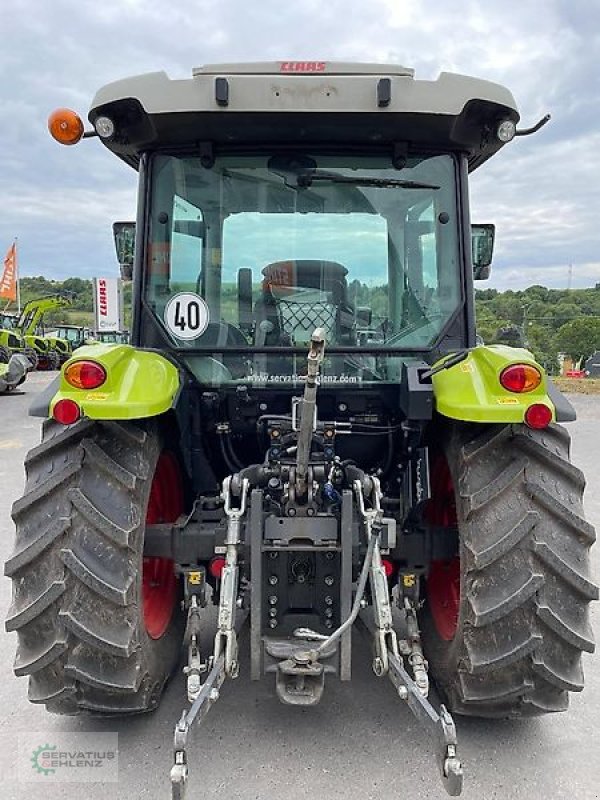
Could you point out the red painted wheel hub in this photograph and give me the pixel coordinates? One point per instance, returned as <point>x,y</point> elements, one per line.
<point>443,581</point>
<point>159,584</point>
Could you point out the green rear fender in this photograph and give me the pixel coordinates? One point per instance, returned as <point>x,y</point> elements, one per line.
<point>138,383</point>
<point>471,390</point>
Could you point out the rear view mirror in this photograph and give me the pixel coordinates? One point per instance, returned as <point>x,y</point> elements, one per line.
<point>482,248</point>
<point>124,235</point>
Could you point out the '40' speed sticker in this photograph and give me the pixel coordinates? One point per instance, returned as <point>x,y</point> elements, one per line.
<point>186,315</point>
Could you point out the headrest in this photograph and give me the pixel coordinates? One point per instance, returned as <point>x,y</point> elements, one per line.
<point>286,277</point>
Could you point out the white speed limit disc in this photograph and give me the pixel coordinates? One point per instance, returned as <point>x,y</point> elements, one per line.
<point>186,315</point>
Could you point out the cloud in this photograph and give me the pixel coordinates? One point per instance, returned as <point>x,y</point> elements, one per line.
<point>542,192</point>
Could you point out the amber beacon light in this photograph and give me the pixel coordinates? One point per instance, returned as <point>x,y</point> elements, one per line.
<point>65,126</point>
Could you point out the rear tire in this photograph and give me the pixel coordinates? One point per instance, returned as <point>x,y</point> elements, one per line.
<point>505,636</point>
<point>77,566</point>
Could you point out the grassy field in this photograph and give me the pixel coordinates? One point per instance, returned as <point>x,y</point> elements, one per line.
<point>578,385</point>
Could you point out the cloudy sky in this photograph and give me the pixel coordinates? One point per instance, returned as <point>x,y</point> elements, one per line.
<point>543,192</point>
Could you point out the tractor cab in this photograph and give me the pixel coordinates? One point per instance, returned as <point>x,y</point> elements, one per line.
<point>334,196</point>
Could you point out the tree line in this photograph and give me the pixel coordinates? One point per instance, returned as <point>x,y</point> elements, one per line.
<point>546,321</point>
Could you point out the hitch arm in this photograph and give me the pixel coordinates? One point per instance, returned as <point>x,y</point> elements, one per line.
<point>315,357</point>
<point>205,700</point>
<point>207,697</point>
<point>440,726</point>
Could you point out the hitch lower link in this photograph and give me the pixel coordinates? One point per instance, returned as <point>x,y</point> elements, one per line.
<point>441,726</point>
<point>389,651</point>
<point>224,661</point>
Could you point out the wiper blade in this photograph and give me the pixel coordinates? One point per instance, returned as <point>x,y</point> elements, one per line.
<point>306,179</point>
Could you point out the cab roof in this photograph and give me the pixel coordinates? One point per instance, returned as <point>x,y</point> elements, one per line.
<point>298,103</point>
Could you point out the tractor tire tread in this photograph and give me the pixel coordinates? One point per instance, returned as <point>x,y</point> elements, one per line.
<point>525,578</point>
<point>77,579</point>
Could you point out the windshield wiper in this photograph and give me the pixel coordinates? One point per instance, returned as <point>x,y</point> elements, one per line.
<point>306,179</point>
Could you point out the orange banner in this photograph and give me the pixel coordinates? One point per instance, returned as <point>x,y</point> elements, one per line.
<point>8,282</point>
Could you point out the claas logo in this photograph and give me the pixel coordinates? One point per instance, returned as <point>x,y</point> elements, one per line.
<point>302,66</point>
<point>103,297</point>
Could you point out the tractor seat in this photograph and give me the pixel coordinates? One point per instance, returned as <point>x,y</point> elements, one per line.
<point>299,296</point>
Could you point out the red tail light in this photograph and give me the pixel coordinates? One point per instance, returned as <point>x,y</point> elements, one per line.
<point>538,416</point>
<point>216,567</point>
<point>66,412</point>
<point>85,374</point>
<point>520,378</point>
<point>388,566</point>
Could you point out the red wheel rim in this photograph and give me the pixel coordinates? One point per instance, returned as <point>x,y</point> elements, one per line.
<point>159,584</point>
<point>443,581</point>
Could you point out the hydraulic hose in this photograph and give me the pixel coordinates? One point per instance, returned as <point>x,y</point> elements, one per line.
<point>227,457</point>
<point>231,452</point>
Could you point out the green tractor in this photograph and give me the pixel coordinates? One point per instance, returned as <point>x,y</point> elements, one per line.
<point>112,337</point>
<point>51,351</point>
<point>65,339</point>
<point>46,357</point>
<point>304,431</point>
<point>14,372</point>
<point>12,342</point>
<point>16,358</point>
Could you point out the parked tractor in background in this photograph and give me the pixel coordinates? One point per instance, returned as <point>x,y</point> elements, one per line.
<point>304,430</point>
<point>65,339</point>
<point>112,337</point>
<point>13,372</point>
<point>12,342</point>
<point>51,351</point>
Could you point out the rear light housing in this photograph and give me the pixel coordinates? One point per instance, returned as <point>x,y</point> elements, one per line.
<point>216,566</point>
<point>538,416</point>
<point>520,378</point>
<point>85,374</point>
<point>66,412</point>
